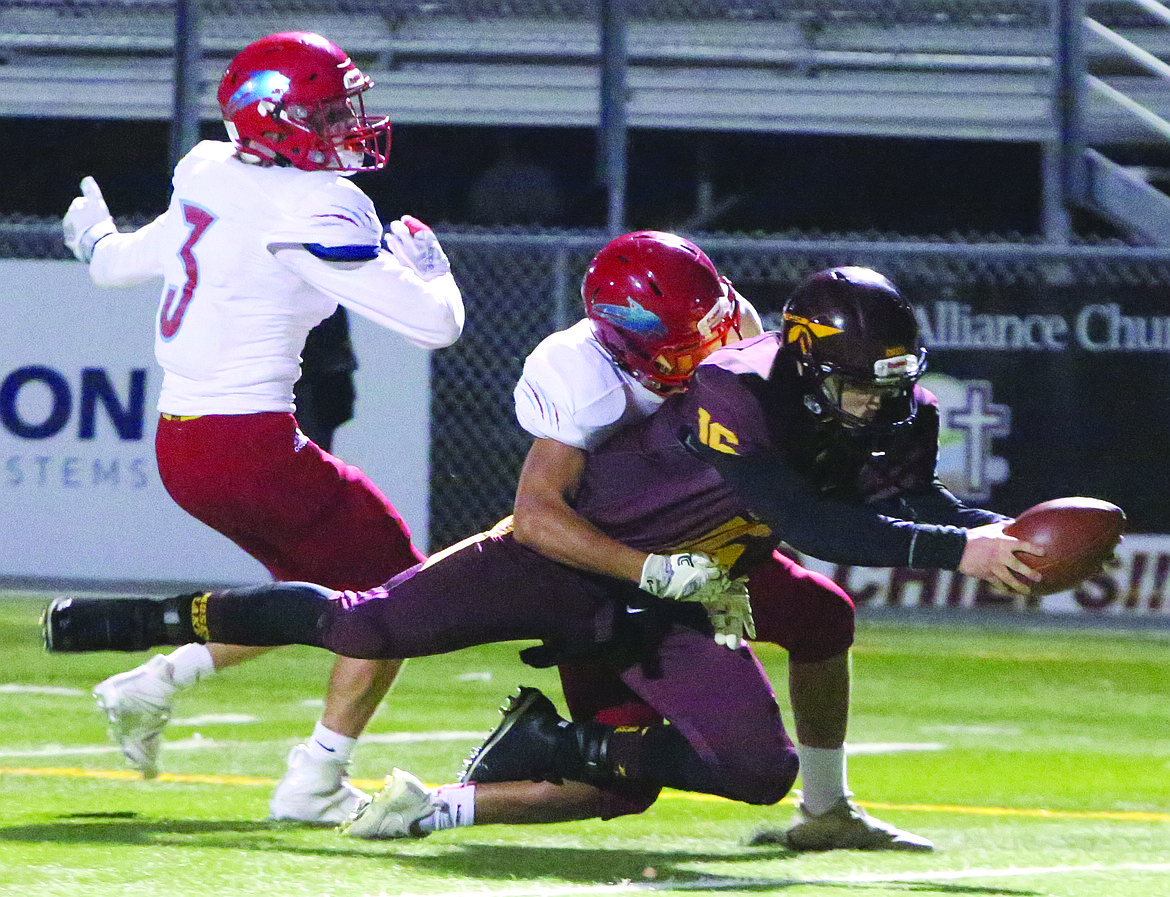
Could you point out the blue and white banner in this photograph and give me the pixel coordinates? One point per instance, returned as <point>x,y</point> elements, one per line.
<point>80,496</point>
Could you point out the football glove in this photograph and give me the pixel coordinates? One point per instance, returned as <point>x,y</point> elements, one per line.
<point>87,220</point>
<point>678,576</point>
<point>416,246</point>
<point>730,612</point>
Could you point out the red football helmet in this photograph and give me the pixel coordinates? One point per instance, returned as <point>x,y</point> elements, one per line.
<point>295,98</point>
<point>658,305</point>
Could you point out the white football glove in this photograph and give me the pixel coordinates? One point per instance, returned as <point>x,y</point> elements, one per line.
<point>730,612</point>
<point>678,576</point>
<point>695,577</point>
<point>87,221</point>
<point>416,246</point>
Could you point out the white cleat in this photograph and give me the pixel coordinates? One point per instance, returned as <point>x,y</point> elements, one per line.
<point>315,792</point>
<point>394,811</point>
<point>137,704</point>
<point>844,826</point>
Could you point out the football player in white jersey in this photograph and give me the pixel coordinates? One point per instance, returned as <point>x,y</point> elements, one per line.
<point>264,237</point>
<point>656,306</point>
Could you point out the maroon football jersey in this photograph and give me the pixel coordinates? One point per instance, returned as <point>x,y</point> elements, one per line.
<point>643,487</point>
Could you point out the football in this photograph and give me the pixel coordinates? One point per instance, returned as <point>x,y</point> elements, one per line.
<point>1078,535</point>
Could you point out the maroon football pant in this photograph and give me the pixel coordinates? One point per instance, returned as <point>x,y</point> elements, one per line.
<point>302,513</point>
<point>800,610</point>
<point>490,589</point>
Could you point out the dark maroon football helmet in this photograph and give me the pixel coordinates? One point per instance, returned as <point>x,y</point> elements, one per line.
<point>850,326</point>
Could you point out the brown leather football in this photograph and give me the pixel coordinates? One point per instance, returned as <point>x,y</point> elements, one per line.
<point>1078,535</point>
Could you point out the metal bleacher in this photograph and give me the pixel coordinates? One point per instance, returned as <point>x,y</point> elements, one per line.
<point>1077,76</point>
<point>940,68</point>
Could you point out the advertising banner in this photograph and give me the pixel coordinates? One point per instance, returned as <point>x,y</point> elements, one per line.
<point>1062,393</point>
<point>1134,585</point>
<point>1046,389</point>
<point>80,496</point>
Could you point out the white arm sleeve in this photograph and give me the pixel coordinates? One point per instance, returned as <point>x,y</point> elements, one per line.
<point>428,313</point>
<point>122,260</point>
<point>337,214</point>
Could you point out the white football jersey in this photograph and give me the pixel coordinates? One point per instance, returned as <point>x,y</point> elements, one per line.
<point>573,391</point>
<point>240,293</point>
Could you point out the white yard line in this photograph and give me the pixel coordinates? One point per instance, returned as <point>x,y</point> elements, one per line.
<point>727,883</point>
<point>892,747</point>
<point>195,743</point>
<point>13,688</point>
<point>198,742</point>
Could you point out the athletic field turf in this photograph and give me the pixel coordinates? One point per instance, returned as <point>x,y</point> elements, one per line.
<point>1037,759</point>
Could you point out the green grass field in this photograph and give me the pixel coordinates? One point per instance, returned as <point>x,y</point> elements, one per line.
<point>1037,759</point>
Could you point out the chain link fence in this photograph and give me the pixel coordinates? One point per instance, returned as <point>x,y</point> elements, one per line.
<point>1088,415</point>
<point>519,287</point>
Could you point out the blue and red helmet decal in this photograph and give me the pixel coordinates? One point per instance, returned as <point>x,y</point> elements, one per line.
<point>266,85</point>
<point>632,317</point>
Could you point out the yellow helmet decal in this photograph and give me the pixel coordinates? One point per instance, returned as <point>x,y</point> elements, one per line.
<point>803,331</point>
<point>816,329</point>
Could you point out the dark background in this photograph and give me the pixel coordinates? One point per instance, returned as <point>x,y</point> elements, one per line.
<point>768,183</point>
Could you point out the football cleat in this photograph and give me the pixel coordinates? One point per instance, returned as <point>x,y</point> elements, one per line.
<point>394,812</point>
<point>314,792</point>
<point>137,704</point>
<point>72,625</point>
<point>844,826</point>
<point>523,746</point>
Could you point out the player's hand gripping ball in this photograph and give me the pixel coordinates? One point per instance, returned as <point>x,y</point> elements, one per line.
<point>1079,535</point>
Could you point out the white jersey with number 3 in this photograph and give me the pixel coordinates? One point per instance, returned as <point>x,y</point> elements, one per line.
<point>240,292</point>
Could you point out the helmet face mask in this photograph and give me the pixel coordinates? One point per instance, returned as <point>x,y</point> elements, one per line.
<point>295,98</point>
<point>856,343</point>
<point>857,403</point>
<point>659,306</point>
<point>666,366</point>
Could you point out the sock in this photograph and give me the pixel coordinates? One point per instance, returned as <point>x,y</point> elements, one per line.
<point>326,746</point>
<point>456,809</point>
<point>822,776</point>
<point>190,663</point>
<point>276,613</point>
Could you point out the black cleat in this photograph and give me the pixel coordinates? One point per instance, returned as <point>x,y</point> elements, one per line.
<point>75,625</point>
<point>523,747</point>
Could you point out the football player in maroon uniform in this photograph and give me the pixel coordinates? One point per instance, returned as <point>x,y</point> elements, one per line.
<point>817,435</point>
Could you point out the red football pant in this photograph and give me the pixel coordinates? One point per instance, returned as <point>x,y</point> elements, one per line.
<point>302,513</point>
